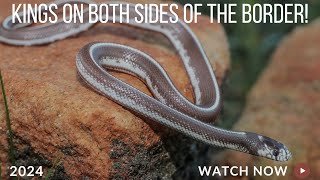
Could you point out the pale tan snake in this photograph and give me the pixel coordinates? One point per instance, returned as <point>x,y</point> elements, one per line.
<point>170,108</point>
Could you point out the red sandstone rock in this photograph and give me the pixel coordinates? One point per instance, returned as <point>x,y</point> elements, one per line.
<point>285,103</point>
<point>54,115</point>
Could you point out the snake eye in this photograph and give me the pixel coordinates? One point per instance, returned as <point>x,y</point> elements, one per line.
<point>275,152</point>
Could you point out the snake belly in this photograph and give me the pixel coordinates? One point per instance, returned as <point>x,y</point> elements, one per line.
<point>169,107</point>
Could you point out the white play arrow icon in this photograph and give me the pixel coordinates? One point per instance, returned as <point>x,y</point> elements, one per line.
<point>301,170</point>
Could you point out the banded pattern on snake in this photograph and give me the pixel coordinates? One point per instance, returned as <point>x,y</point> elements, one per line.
<point>170,108</point>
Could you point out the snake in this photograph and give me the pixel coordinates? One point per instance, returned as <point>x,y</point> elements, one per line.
<point>166,105</point>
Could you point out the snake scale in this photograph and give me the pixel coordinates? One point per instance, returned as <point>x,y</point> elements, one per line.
<point>169,107</point>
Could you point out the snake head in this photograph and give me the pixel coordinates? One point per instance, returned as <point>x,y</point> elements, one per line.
<point>268,148</point>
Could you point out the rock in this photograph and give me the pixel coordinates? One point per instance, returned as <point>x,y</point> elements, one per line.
<point>285,103</point>
<point>54,115</point>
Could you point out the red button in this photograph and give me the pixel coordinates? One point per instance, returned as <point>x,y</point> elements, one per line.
<point>301,170</point>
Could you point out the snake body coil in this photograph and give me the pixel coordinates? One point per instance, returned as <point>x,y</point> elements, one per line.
<point>170,107</point>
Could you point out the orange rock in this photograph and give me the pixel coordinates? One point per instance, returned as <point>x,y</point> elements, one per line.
<point>54,115</point>
<point>285,102</point>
